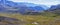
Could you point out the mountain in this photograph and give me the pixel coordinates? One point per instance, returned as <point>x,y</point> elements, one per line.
<point>32,9</point>
<point>21,7</point>
<point>55,9</point>
<point>7,6</point>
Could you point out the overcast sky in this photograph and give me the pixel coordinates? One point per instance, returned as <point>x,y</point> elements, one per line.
<point>45,2</point>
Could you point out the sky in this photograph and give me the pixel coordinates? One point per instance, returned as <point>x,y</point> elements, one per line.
<point>45,2</point>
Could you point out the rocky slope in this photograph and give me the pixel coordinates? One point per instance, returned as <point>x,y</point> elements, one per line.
<point>10,21</point>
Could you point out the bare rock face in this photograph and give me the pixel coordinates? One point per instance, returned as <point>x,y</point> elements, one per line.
<point>10,21</point>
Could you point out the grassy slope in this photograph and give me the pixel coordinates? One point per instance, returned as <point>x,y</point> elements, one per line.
<point>43,19</point>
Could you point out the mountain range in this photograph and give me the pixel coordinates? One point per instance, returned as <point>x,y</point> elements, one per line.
<point>23,7</point>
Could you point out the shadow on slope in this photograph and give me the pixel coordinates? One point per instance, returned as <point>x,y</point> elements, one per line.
<point>10,21</point>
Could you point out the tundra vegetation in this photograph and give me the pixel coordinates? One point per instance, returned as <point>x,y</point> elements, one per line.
<point>45,18</point>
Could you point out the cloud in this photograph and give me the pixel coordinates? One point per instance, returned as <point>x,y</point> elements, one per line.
<point>45,2</point>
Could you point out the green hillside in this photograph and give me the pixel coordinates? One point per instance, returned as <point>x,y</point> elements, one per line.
<point>45,18</point>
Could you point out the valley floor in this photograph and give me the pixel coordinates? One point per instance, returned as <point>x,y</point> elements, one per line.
<point>34,19</point>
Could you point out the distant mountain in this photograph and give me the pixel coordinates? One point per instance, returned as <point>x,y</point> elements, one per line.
<point>55,9</point>
<point>22,7</point>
